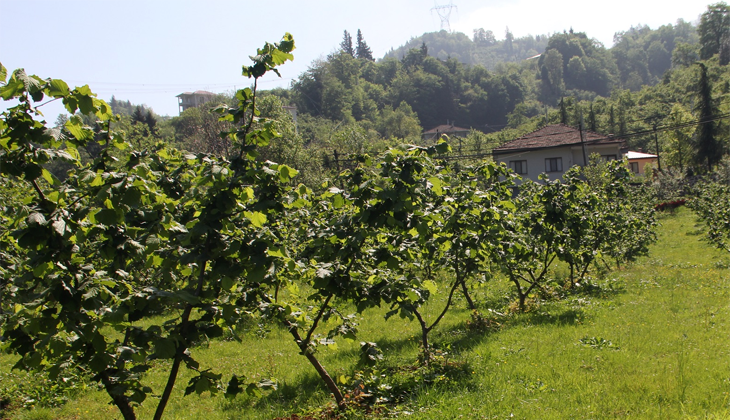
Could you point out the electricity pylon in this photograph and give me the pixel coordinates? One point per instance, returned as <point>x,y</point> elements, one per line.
<point>444,12</point>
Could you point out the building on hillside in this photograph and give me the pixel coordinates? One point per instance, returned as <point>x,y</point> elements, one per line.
<point>638,160</point>
<point>449,129</point>
<point>192,99</point>
<point>555,148</point>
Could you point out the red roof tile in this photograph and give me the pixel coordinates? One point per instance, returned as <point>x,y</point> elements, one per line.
<point>445,128</point>
<point>554,135</point>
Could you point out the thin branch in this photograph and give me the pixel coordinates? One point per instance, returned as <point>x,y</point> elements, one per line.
<point>38,190</point>
<point>448,304</point>
<point>185,319</point>
<point>47,102</point>
<point>318,318</point>
<point>253,115</point>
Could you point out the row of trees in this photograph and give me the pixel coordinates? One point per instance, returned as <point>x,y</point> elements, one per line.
<point>139,255</point>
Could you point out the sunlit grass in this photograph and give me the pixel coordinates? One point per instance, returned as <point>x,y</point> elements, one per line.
<point>653,342</point>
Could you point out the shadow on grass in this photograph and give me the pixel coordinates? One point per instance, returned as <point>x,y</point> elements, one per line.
<point>288,397</point>
<point>566,317</point>
<point>452,340</point>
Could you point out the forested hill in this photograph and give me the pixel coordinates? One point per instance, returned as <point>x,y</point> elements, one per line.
<point>428,85</point>
<point>641,54</point>
<point>483,49</point>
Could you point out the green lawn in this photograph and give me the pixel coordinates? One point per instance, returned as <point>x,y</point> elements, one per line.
<point>652,341</point>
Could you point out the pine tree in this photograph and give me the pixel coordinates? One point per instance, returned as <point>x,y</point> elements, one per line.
<point>138,115</point>
<point>611,121</point>
<point>622,127</point>
<point>577,112</point>
<point>708,149</point>
<point>591,118</point>
<point>563,112</point>
<point>151,121</point>
<point>363,51</point>
<point>346,44</point>
<point>713,29</point>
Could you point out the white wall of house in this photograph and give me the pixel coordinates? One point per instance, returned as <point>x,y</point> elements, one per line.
<point>566,156</point>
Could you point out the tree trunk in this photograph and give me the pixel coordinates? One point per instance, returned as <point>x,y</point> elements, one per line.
<point>469,301</point>
<point>572,276</point>
<point>121,401</point>
<point>520,295</point>
<point>424,337</point>
<point>331,385</point>
<point>183,344</point>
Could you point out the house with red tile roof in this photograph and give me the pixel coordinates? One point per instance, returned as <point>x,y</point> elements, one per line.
<point>449,129</point>
<point>555,148</point>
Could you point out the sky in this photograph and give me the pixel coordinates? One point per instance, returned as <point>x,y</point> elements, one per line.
<point>150,51</point>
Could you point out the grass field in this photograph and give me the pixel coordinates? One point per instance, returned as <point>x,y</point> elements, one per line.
<point>649,341</point>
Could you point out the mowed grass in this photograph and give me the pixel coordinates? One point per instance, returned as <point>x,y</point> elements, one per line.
<point>648,341</point>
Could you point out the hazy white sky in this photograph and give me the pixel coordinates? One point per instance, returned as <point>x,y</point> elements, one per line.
<point>149,51</point>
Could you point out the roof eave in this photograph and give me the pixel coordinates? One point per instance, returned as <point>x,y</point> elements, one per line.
<point>587,143</point>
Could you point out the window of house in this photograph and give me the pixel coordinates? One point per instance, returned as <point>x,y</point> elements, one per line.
<point>554,164</point>
<point>634,167</point>
<point>608,158</point>
<point>519,166</point>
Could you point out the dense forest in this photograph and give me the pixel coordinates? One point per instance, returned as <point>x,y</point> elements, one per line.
<point>650,79</point>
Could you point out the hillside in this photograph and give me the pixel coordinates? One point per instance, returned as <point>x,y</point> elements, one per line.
<point>640,55</point>
<point>483,49</point>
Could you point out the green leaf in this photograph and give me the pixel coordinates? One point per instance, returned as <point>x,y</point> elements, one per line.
<point>436,185</point>
<point>49,177</point>
<point>36,219</point>
<point>59,226</point>
<point>275,251</point>
<point>165,348</point>
<point>58,88</point>
<point>77,129</point>
<point>33,171</point>
<point>70,153</point>
<point>286,173</point>
<point>106,217</point>
<point>507,204</point>
<point>430,286</point>
<point>41,269</point>
<point>253,390</point>
<point>413,296</point>
<point>257,219</point>
<point>97,182</point>
<point>13,89</point>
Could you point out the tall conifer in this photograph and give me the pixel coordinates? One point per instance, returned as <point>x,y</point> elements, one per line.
<point>363,51</point>
<point>346,44</point>
<point>708,149</point>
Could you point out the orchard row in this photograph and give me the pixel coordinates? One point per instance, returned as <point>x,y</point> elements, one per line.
<point>139,255</point>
